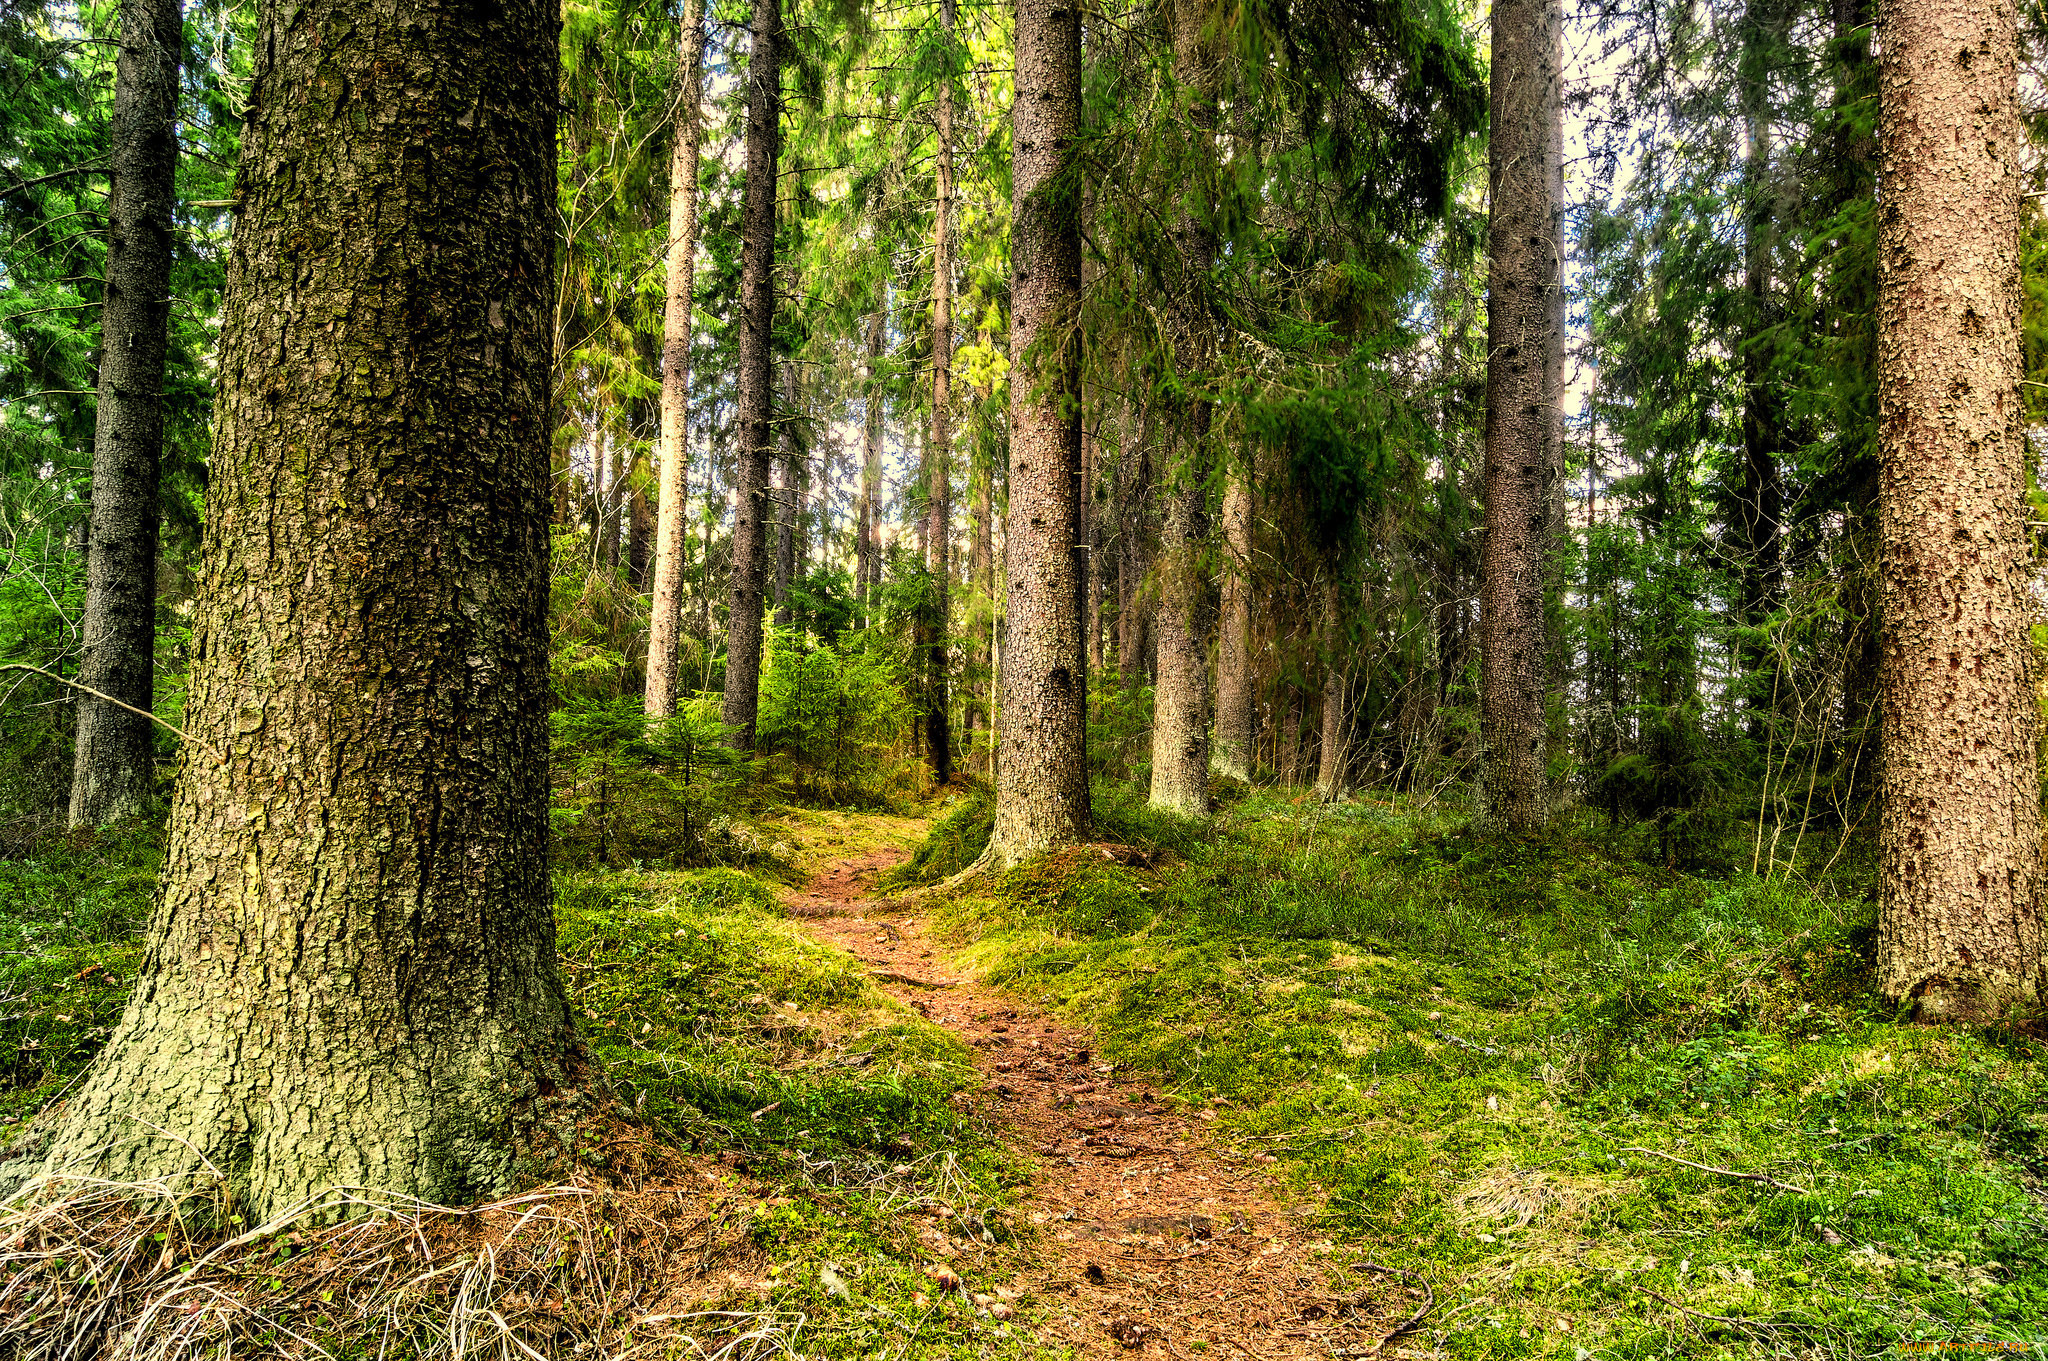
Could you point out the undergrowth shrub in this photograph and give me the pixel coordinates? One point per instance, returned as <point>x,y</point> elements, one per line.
<point>835,720</point>
<point>631,791</point>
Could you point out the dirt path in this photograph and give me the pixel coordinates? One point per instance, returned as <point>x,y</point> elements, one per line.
<point>1150,1237</point>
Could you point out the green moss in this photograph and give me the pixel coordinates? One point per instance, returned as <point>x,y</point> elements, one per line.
<point>1460,1050</point>
<point>731,1030</point>
<point>72,915</point>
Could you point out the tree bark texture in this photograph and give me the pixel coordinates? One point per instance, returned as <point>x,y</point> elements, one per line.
<point>1233,751</point>
<point>115,756</point>
<point>665,628</point>
<point>1524,425</point>
<point>1180,712</point>
<point>939,449</point>
<point>350,976</point>
<point>1041,771</point>
<point>1960,917</point>
<point>751,511</point>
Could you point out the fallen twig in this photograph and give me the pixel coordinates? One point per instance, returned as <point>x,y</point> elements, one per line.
<point>1696,1313</point>
<point>1408,1324</point>
<point>1772,1182</point>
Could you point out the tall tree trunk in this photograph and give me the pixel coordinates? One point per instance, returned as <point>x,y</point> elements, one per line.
<point>1134,550</point>
<point>1523,424</point>
<point>868,556</point>
<point>1180,715</point>
<point>1960,913</point>
<point>611,501</point>
<point>114,765</point>
<point>350,977</point>
<point>939,449</point>
<point>982,578</point>
<point>1234,682</point>
<point>666,626</point>
<point>791,455</point>
<point>1759,508</point>
<point>639,520</point>
<point>1330,771</point>
<point>1042,773</point>
<point>1852,301</point>
<point>1091,537</point>
<point>756,376</point>
<point>1288,758</point>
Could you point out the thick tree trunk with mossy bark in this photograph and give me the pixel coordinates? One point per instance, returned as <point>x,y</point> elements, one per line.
<point>1524,424</point>
<point>1232,751</point>
<point>1180,715</point>
<point>665,627</point>
<point>1042,767</point>
<point>752,509</point>
<point>350,977</point>
<point>1959,877</point>
<point>115,754</point>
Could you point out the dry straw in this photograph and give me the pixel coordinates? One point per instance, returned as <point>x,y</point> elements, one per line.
<point>594,1269</point>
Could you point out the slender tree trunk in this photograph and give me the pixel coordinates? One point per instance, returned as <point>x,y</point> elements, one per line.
<point>1134,551</point>
<point>1852,301</point>
<point>1759,509</point>
<point>666,626</point>
<point>1960,913</point>
<point>1180,716</point>
<point>350,977</point>
<point>639,522</point>
<point>1288,759</point>
<point>1042,773</point>
<point>1330,771</point>
<point>1234,681</point>
<point>981,567</point>
<point>939,450</point>
<point>756,375</point>
<point>868,559</point>
<point>1091,538</point>
<point>114,765</point>
<point>1523,425</point>
<point>611,502</point>
<point>791,448</point>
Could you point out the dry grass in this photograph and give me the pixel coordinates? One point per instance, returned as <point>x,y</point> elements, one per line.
<point>602,1269</point>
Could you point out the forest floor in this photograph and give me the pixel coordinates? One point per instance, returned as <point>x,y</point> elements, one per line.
<point>1265,1086</point>
<point>1147,1231</point>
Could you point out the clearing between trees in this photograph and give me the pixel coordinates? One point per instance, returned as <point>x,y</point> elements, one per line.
<point>1301,1080</point>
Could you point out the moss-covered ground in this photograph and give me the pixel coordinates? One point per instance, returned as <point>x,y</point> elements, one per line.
<point>1492,1064</point>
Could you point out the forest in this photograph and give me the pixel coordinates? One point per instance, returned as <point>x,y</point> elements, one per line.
<point>839,679</point>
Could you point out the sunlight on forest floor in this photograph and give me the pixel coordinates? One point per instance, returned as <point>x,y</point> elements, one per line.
<point>1608,1109</point>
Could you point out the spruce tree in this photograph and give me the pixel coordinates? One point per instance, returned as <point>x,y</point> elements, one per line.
<point>114,766</point>
<point>350,978</point>
<point>1960,877</point>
